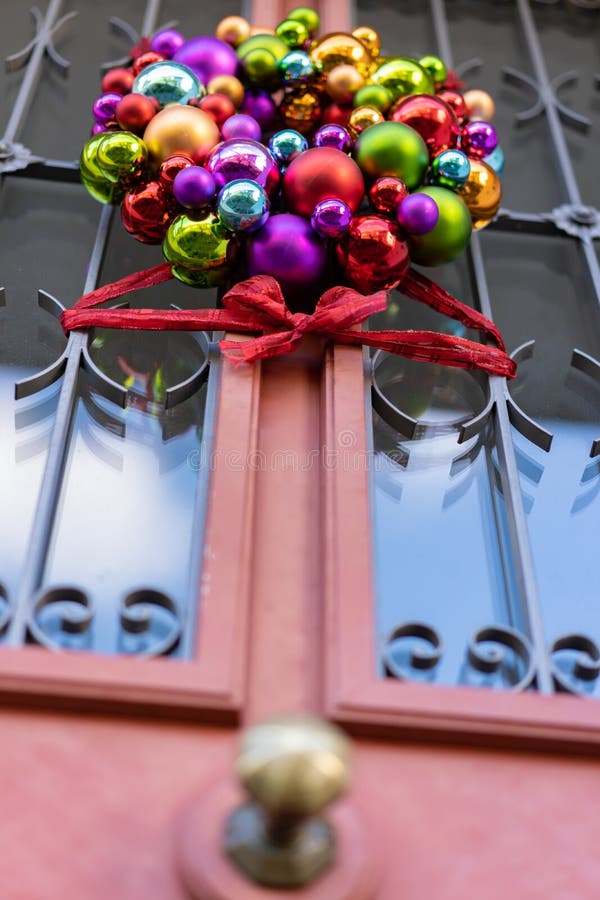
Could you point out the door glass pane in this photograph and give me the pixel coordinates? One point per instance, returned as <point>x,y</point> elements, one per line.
<point>464,545</point>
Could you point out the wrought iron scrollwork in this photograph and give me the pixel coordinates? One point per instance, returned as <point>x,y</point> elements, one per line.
<point>153,618</point>
<point>422,645</point>
<point>575,658</point>
<point>5,610</point>
<point>60,617</point>
<point>63,618</point>
<point>494,648</point>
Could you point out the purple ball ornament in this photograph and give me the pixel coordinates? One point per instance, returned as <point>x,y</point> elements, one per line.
<point>261,106</point>
<point>208,57</point>
<point>97,128</point>
<point>289,250</point>
<point>241,126</point>
<point>331,218</point>
<point>478,139</point>
<point>194,187</point>
<point>241,158</point>
<point>167,42</point>
<point>104,107</point>
<point>333,136</point>
<point>418,214</point>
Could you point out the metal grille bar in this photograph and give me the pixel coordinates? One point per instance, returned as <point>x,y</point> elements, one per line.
<point>582,223</point>
<point>138,607</point>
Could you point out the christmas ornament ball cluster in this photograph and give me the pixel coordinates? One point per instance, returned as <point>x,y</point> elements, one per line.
<point>308,158</point>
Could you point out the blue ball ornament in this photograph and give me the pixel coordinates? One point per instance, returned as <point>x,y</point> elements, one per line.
<point>450,169</point>
<point>243,205</point>
<point>495,160</point>
<point>168,82</point>
<point>296,67</point>
<point>286,145</point>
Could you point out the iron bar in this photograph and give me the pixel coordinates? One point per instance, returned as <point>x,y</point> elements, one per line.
<point>509,473</point>
<point>58,449</point>
<point>32,73</point>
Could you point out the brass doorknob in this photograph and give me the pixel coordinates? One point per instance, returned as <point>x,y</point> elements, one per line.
<point>291,768</point>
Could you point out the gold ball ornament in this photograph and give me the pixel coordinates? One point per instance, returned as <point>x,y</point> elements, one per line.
<point>180,129</point>
<point>369,38</point>
<point>343,82</point>
<point>482,193</point>
<point>479,105</point>
<point>229,85</point>
<point>301,111</point>
<point>340,50</point>
<point>363,117</point>
<point>233,30</point>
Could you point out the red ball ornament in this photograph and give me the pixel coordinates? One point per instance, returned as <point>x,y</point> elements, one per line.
<point>134,112</point>
<point>218,106</point>
<point>387,193</point>
<point>118,81</point>
<point>334,114</point>
<point>432,118</point>
<point>372,254</point>
<point>147,212</point>
<point>146,59</point>
<point>456,102</point>
<point>171,167</point>
<point>322,173</point>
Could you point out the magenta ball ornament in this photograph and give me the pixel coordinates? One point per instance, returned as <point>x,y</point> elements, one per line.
<point>241,126</point>
<point>331,218</point>
<point>241,158</point>
<point>478,139</point>
<point>417,214</point>
<point>261,106</point>
<point>105,106</point>
<point>208,57</point>
<point>288,249</point>
<point>167,42</point>
<point>333,135</point>
<point>194,187</point>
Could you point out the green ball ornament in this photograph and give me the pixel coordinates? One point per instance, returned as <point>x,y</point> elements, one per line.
<point>293,33</point>
<point>92,177</point>
<point>374,95</point>
<point>436,68</point>
<point>270,42</point>
<point>451,234</point>
<point>391,148</point>
<point>261,67</point>
<point>403,76</point>
<point>122,156</point>
<point>197,249</point>
<point>308,17</point>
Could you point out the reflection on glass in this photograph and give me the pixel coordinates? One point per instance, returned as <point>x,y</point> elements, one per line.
<point>128,505</point>
<point>437,541</point>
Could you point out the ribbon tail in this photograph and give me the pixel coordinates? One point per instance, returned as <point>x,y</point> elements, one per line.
<point>267,346</point>
<point>419,287</point>
<point>429,346</point>
<point>154,319</point>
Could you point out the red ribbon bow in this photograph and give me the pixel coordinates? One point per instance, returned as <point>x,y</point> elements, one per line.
<point>257,305</point>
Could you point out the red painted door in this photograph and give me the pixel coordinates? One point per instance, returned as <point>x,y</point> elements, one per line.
<point>118,772</point>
